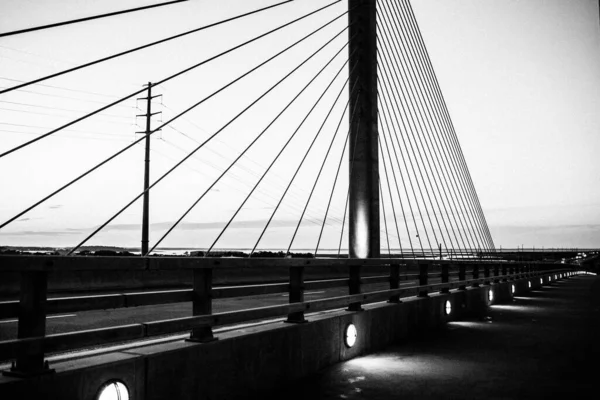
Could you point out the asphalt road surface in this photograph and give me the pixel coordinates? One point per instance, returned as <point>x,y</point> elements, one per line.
<point>69,322</point>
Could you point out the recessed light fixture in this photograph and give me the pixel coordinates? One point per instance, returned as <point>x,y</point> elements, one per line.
<point>351,335</point>
<point>448,307</point>
<point>512,289</point>
<point>113,390</point>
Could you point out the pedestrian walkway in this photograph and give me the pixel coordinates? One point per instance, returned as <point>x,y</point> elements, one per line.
<point>542,345</point>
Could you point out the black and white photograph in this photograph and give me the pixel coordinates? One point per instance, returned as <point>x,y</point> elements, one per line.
<point>299,199</point>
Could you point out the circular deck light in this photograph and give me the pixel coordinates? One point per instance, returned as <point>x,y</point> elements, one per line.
<point>512,289</point>
<point>490,295</point>
<point>448,307</point>
<point>113,390</point>
<point>351,335</point>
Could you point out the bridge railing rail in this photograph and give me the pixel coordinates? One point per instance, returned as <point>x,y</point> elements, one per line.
<point>32,345</point>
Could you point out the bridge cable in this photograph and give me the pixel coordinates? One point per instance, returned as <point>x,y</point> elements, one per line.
<point>276,158</point>
<point>337,174</point>
<point>237,178</point>
<point>420,80</point>
<point>396,56</point>
<point>175,75</point>
<point>171,120</point>
<point>469,188</point>
<point>302,161</point>
<point>202,145</point>
<point>321,170</point>
<point>248,170</point>
<point>387,61</point>
<point>387,180</point>
<point>393,210</point>
<point>392,198</point>
<point>386,91</point>
<point>389,130</point>
<point>254,141</point>
<point>100,60</point>
<point>387,236</point>
<point>74,21</point>
<point>467,231</point>
<point>441,102</point>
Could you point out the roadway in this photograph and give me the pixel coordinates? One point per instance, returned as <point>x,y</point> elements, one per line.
<point>69,322</point>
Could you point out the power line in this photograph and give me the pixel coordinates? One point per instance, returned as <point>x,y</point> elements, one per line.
<point>62,88</point>
<point>59,109</point>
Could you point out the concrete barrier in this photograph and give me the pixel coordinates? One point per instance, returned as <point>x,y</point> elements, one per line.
<point>253,360</point>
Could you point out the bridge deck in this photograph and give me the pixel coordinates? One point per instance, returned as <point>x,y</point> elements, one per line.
<point>543,345</point>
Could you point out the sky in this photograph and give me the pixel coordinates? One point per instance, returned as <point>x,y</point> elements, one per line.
<point>521,80</point>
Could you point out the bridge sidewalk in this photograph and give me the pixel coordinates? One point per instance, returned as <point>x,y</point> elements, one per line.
<point>542,345</point>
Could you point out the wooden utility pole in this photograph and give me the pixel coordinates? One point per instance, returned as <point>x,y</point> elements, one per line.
<point>146,210</point>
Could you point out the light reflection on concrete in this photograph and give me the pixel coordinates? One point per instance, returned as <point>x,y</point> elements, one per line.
<point>512,307</point>
<point>469,324</point>
<point>386,366</point>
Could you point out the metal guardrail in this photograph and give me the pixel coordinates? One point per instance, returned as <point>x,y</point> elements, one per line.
<point>32,344</point>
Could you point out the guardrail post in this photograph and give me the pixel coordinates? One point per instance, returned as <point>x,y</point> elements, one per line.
<point>423,279</point>
<point>462,276</point>
<point>512,272</point>
<point>496,273</point>
<point>445,277</point>
<point>394,282</point>
<point>475,274</point>
<point>504,273</point>
<point>486,273</point>
<point>354,287</point>
<point>202,304</point>
<point>296,293</point>
<point>32,323</point>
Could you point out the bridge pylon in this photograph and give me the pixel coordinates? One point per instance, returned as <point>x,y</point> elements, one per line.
<point>363,205</point>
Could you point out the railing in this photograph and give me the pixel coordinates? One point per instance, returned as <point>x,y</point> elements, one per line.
<point>32,344</point>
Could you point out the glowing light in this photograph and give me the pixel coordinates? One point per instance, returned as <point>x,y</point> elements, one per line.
<point>351,335</point>
<point>529,284</point>
<point>542,281</point>
<point>361,244</point>
<point>448,307</point>
<point>113,390</point>
<point>490,295</point>
<point>512,289</point>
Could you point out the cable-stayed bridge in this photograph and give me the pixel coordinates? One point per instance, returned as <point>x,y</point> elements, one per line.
<point>318,151</point>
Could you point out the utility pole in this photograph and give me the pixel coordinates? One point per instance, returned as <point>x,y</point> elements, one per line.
<point>146,210</point>
<point>363,141</point>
